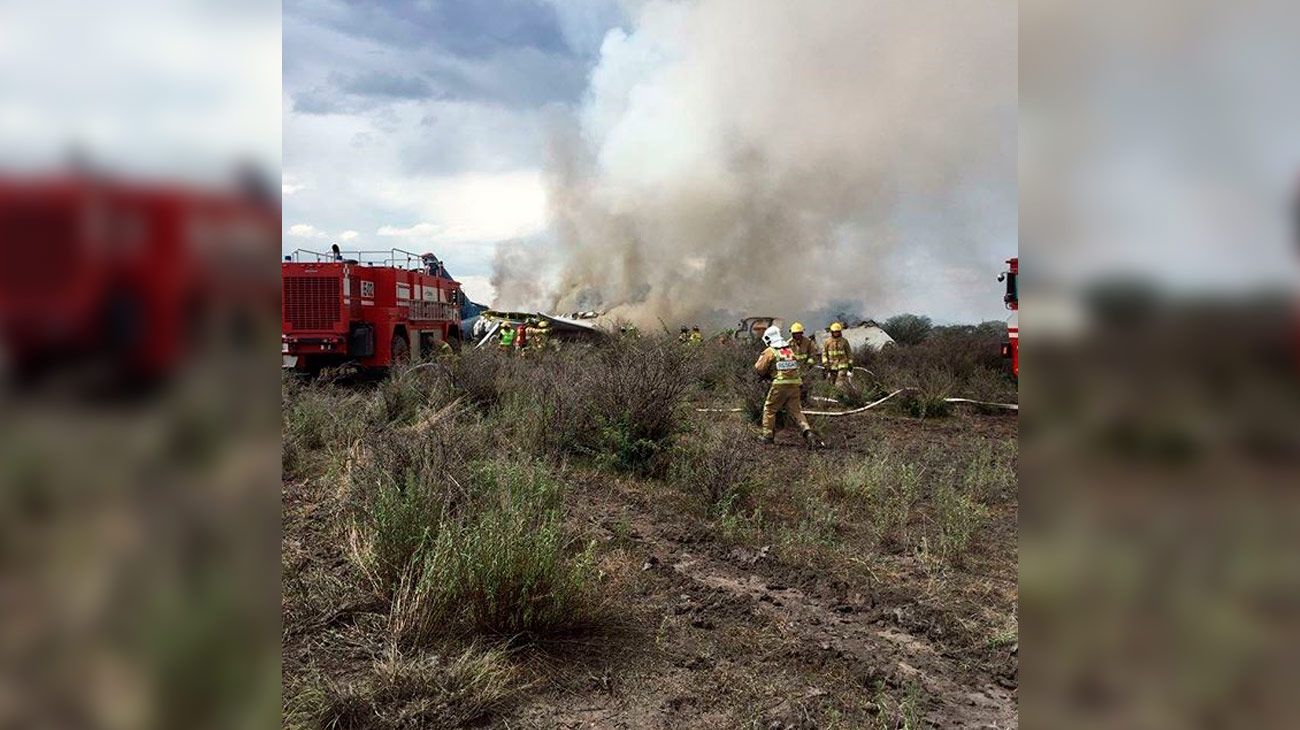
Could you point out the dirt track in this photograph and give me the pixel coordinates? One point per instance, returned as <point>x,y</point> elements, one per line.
<point>728,635</point>
<point>714,629</point>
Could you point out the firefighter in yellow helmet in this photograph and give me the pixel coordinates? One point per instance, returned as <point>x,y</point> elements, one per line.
<point>837,357</point>
<point>696,337</point>
<point>805,353</point>
<point>539,336</point>
<point>506,336</point>
<point>778,363</point>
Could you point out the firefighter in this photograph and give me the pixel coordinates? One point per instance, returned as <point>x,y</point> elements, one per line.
<point>521,336</point>
<point>507,334</point>
<point>445,351</point>
<point>837,357</point>
<point>696,338</point>
<point>684,336</point>
<point>541,335</point>
<point>779,364</point>
<point>804,352</point>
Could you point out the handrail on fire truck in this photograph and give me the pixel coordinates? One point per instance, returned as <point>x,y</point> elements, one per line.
<point>411,261</point>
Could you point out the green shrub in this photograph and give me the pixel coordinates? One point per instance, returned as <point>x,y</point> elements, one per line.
<point>715,464</point>
<point>619,404</point>
<point>894,504</point>
<point>990,475</point>
<point>957,516</point>
<point>504,568</point>
<point>316,419</point>
<point>399,485</point>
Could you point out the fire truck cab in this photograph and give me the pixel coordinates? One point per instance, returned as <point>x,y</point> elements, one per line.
<point>1011,348</point>
<point>370,308</point>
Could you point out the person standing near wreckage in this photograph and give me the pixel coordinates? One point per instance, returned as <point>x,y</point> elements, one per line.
<point>806,353</point>
<point>506,333</point>
<point>778,362</point>
<point>837,357</point>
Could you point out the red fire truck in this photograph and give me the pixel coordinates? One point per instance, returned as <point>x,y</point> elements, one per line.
<point>369,308</point>
<point>1011,348</point>
<point>133,276</point>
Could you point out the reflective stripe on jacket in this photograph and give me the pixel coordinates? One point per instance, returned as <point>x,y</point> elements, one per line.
<point>803,351</point>
<point>781,365</point>
<point>837,355</point>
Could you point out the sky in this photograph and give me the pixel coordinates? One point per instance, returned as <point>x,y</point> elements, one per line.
<point>422,125</point>
<point>433,125</point>
<point>167,90</point>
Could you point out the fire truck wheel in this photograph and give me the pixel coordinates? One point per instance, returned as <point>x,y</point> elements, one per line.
<point>400,350</point>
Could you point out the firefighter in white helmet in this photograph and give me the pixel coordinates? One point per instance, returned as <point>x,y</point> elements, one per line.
<point>778,363</point>
<point>837,357</point>
<point>805,352</point>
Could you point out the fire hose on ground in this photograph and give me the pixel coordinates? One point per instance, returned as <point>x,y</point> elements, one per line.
<point>869,406</point>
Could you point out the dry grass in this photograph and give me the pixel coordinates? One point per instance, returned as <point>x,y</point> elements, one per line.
<point>400,691</point>
<point>446,523</point>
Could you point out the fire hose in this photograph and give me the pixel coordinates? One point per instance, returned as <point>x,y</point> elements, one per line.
<point>869,406</point>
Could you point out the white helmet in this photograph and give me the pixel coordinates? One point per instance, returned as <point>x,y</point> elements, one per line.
<point>772,337</point>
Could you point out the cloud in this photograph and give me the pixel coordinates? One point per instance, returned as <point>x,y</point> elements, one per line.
<point>305,230</point>
<point>348,235</point>
<point>288,185</point>
<point>468,208</point>
<point>184,94</point>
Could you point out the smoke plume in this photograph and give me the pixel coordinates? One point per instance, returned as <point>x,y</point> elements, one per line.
<point>770,157</point>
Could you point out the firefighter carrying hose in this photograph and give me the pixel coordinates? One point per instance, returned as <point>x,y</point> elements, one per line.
<point>779,364</point>
<point>805,353</point>
<point>837,357</point>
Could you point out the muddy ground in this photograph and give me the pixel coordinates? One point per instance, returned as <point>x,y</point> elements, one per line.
<point>750,619</point>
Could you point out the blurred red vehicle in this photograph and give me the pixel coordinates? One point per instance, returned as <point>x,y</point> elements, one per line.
<point>127,274</point>
<point>368,308</point>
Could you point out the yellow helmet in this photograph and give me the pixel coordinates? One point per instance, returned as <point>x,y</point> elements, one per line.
<point>836,327</point>
<point>796,327</point>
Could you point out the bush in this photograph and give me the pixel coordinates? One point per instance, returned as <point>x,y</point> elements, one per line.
<point>887,485</point>
<point>406,392</point>
<point>908,329</point>
<point>618,404</point>
<point>990,475</point>
<point>718,363</point>
<point>969,358</point>
<point>400,485</point>
<point>315,418</point>
<point>929,399</point>
<point>716,464</point>
<point>504,568</point>
<point>484,376</point>
<point>956,516</point>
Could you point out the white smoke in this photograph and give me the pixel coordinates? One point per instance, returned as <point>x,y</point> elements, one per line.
<point>772,157</point>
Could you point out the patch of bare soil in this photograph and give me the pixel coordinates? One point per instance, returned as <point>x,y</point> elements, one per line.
<point>727,635</point>
<point>707,630</point>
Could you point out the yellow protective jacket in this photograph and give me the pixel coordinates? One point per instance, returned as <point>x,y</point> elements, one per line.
<point>804,351</point>
<point>780,365</point>
<point>836,354</point>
